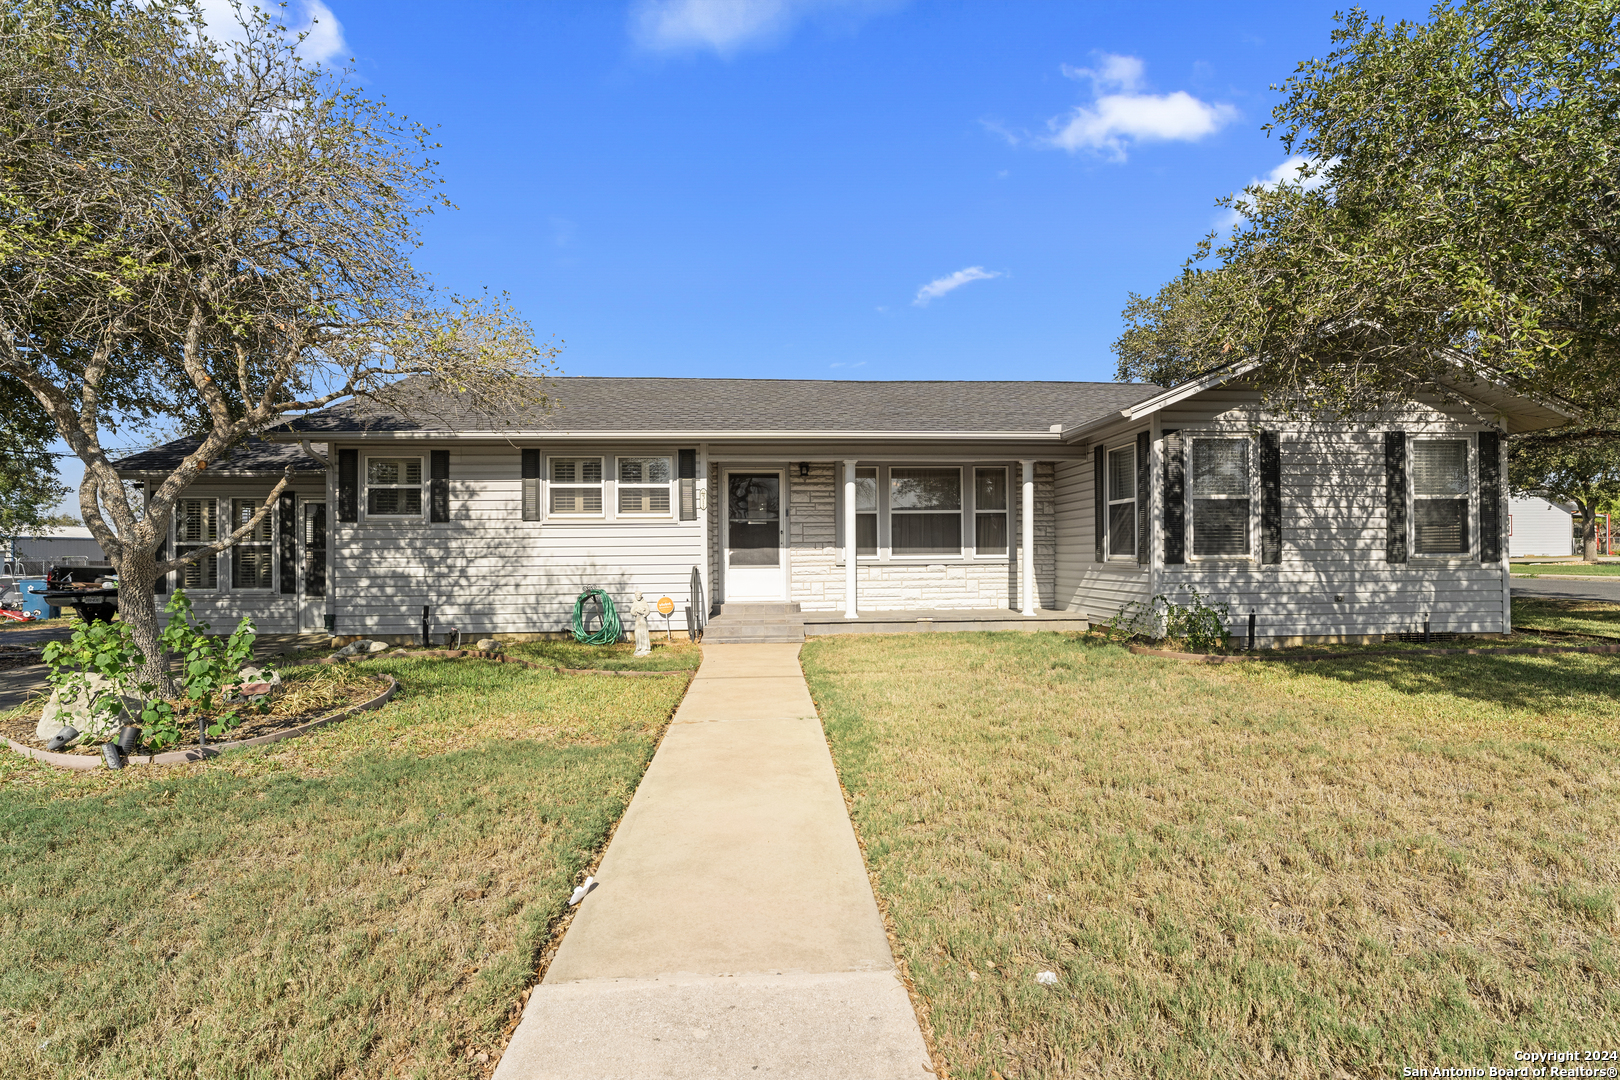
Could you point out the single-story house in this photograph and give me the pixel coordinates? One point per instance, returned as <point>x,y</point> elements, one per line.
<point>839,505</point>
<point>1538,526</point>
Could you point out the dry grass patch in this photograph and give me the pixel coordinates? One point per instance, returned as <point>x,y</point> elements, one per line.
<point>1294,870</point>
<point>366,901</point>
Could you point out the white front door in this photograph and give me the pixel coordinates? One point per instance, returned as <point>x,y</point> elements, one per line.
<point>312,567</point>
<point>755,536</point>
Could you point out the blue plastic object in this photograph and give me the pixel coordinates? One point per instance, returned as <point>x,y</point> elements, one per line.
<point>32,601</point>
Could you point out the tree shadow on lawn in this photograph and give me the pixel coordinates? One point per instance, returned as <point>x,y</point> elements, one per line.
<point>1548,685</point>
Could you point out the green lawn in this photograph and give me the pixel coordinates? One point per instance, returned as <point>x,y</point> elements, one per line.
<point>1570,616</point>
<point>367,901</point>
<point>1603,569</point>
<point>679,655</point>
<point>1326,869</point>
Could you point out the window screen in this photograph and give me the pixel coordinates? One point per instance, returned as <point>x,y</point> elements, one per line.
<point>990,506</point>
<point>925,511</point>
<point>576,486</point>
<point>644,485</point>
<point>1220,496</point>
<point>1122,501</point>
<point>251,564</point>
<point>1440,496</point>
<point>394,487</point>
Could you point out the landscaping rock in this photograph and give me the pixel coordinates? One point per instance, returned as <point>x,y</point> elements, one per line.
<point>73,710</point>
<point>488,644</point>
<point>362,647</point>
<point>257,685</point>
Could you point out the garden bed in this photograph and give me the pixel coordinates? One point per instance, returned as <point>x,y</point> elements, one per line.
<point>306,694</point>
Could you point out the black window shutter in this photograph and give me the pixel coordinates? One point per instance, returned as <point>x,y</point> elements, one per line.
<point>287,512</point>
<point>161,585</point>
<point>1144,473</point>
<point>531,485</point>
<point>1175,498</point>
<point>1270,497</point>
<point>1490,497</point>
<point>348,508</point>
<point>1099,500</point>
<point>687,475</point>
<point>439,487</point>
<point>1395,496</point>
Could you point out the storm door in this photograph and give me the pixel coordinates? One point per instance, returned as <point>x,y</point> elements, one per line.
<point>312,571</point>
<point>756,564</point>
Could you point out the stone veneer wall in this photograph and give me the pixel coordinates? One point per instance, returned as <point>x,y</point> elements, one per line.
<point>816,581</point>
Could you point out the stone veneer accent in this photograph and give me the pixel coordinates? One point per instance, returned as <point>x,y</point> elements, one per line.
<point>816,581</point>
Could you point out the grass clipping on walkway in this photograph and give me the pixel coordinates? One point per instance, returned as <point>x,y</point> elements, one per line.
<point>1311,870</point>
<point>366,901</point>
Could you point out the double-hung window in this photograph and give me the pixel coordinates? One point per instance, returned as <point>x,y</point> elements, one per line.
<point>1122,502</point>
<point>1221,498</point>
<point>644,486</point>
<point>394,487</point>
<point>196,524</point>
<point>925,511</point>
<point>1440,496</point>
<point>576,487</point>
<point>252,566</point>
<point>990,508</point>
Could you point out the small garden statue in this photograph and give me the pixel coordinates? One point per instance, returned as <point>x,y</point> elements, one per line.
<point>640,611</point>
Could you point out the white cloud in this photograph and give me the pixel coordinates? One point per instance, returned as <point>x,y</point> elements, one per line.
<point>728,26</point>
<point>1286,173</point>
<point>1121,113</point>
<point>323,41</point>
<point>940,286</point>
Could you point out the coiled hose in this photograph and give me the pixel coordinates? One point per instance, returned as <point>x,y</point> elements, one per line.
<point>606,634</point>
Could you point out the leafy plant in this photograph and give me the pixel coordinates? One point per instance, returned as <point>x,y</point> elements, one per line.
<point>210,666</point>
<point>97,648</point>
<point>1198,624</point>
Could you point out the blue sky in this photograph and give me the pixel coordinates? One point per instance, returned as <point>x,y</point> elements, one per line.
<point>825,189</point>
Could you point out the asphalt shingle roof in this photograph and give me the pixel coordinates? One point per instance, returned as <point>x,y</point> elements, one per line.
<point>589,404</point>
<point>251,456</point>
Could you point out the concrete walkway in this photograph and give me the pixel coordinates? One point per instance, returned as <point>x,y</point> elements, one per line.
<point>733,933</point>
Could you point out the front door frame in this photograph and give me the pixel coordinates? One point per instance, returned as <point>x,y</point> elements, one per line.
<point>724,495</point>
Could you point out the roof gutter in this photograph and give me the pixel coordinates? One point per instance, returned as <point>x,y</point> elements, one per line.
<point>667,435</point>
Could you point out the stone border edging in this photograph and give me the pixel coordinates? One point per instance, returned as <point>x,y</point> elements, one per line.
<point>1221,658</point>
<point>87,762</point>
<point>499,658</point>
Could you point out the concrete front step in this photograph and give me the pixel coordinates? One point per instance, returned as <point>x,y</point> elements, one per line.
<point>727,610</point>
<point>721,634</point>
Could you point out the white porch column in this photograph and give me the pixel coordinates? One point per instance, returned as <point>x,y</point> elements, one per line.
<point>1026,571</point>
<point>850,609</point>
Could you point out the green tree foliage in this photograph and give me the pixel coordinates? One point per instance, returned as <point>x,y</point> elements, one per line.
<point>1459,212</point>
<point>1582,470</point>
<point>29,490</point>
<point>213,237</point>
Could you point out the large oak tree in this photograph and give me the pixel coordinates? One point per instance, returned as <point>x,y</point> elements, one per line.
<point>1460,211</point>
<point>212,237</point>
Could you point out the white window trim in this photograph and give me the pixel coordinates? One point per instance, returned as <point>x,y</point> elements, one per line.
<point>886,514</point>
<point>1190,523</point>
<point>365,487</point>
<point>175,544</point>
<point>609,490</point>
<point>641,515</point>
<point>1470,441</point>
<point>275,533</point>
<point>1109,504</point>
<point>971,548</point>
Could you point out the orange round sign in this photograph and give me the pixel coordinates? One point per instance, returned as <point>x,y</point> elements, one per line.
<point>666,606</point>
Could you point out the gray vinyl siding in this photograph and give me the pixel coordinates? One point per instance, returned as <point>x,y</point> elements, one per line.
<point>1096,590</point>
<point>1334,522</point>
<point>487,571</point>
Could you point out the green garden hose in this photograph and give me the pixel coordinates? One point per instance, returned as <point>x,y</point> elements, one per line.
<point>606,634</point>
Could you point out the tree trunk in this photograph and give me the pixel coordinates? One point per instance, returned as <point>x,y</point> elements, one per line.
<point>137,608</point>
<point>1588,532</point>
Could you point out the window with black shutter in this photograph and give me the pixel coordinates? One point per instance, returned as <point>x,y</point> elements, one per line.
<point>1175,499</point>
<point>439,485</point>
<point>531,485</point>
